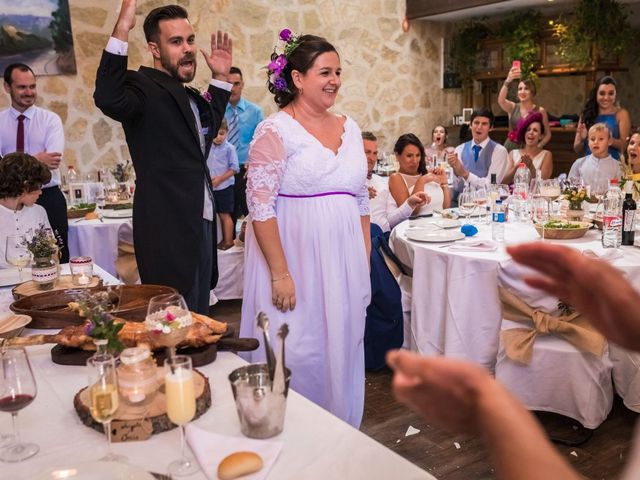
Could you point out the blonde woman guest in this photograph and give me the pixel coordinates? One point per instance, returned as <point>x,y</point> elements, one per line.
<point>535,158</point>
<point>308,243</point>
<point>412,177</point>
<point>518,111</point>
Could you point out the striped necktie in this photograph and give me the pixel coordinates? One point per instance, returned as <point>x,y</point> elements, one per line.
<point>234,133</point>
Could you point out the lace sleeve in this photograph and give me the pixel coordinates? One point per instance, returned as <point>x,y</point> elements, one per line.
<point>363,200</point>
<point>266,167</point>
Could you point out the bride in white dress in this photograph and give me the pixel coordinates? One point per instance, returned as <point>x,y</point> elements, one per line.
<point>307,246</point>
<point>413,177</point>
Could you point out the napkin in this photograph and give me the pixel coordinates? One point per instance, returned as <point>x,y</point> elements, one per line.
<point>608,254</point>
<point>475,246</point>
<point>210,448</point>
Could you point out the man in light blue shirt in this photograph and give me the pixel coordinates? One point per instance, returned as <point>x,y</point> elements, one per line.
<point>242,117</point>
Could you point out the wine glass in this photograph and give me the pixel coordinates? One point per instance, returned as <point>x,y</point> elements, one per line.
<point>466,204</point>
<point>17,390</point>
<point>550,190</point>
<point>103,395</point>
<point>480,198</point>
<point>16,253</point>
<point>168,319</point>
<point>181,407</point>
<point>539,212</point>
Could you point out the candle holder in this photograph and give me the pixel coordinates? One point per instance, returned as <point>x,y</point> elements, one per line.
<point>81,271</point>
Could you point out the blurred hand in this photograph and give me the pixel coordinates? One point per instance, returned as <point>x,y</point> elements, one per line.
<point>456,165</point>
<point>372,192</point>
<point>444,391</point>
<point>50,159</point>
<point>440,175</point>
<point>582,130</point>
<point>513,74</point>
<point>215,181</point>
<point>283,294</point>
<point>418,199</point>
<point>126,19</point>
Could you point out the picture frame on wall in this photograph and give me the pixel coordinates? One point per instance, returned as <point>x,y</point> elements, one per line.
<point>466,115</point>
<point>38,34</point>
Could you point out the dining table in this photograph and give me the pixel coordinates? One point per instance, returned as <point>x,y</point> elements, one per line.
<point>454,306</point>
<point>315,444</point>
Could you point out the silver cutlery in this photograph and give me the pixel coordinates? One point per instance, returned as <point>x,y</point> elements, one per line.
<point>263,323</point>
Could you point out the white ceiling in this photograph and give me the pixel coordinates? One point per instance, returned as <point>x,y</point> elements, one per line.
<point>548,8</point>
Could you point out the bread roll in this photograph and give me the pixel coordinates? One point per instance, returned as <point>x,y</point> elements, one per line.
<point>91,216</point>
<point>239,464</point>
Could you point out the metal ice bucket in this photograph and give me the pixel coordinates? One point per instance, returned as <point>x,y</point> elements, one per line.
<point>260,410</point>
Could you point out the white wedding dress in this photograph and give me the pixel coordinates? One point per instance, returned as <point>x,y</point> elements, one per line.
<point>317,198</point>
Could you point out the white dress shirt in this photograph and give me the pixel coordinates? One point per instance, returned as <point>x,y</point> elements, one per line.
<point>42,133</point>
<point>19,222</point>
<point>116,46</point>
<point>499,164</point>
<point>382,208</point>
<point>592,170</point>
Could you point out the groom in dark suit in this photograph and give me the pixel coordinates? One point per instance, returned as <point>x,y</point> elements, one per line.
<point>169,129</point>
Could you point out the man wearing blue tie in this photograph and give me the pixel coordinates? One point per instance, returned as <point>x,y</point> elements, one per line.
<point>476,160</point>
<point>242,117</point>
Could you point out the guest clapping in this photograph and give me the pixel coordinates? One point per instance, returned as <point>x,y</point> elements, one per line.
<point>519,111</point>
<point>535,158</point>
<point>412,177</point>
<point>602,107</point>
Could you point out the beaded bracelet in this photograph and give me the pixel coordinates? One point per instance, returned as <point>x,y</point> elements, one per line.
<point>280,278</point>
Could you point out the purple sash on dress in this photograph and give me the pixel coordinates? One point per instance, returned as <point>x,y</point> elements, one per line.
<point>316,195</point>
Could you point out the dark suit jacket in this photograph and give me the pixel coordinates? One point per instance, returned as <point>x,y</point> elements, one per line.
<point>171,169</point>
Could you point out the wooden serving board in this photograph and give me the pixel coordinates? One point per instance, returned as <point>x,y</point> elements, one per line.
<point>64,283</point>
<point>140,422</point>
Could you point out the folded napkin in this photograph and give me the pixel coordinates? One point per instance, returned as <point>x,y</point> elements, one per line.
<point>210,448</point>
<point>608,254</point>
<point>476,245</point>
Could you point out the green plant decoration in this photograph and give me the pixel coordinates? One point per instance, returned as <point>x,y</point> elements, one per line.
<point>522,32</point>
<point>600,23</point>
<point>465,46</point>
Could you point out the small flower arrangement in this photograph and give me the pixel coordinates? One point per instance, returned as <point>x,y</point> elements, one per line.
<point>100,324</point>
<point>42,243</point>
<point>279,60</point>
<point>575,195</point>
<point>168,320</point>
<point>123,172</point>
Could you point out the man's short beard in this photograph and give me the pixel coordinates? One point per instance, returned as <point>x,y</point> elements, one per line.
<point>173,70</point>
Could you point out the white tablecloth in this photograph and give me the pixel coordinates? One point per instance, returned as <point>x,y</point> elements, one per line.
<point>455,309</point>
<point>317,445</point>
<point>96,239</point>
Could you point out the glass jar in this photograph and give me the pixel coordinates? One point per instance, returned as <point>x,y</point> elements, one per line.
<point>44,272</point>
<point>81,271</point>
<point>137,380</point>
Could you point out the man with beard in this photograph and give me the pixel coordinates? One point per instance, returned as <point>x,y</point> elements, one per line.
<point>24,127</point>
<point>169,129</point>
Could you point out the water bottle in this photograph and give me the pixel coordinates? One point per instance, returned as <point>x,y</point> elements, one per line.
<point>522,175</point>
<point>497,224</point>
<point>612,217</point>
<point>628,217</point>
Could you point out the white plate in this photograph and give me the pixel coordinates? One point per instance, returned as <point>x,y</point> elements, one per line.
<point>438,222</point>
<point>110,213</point>
<point>435,235</point>
<point>97,471</point>
<point>9,276</point>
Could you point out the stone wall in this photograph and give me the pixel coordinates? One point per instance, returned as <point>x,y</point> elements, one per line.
<point>390,78</point>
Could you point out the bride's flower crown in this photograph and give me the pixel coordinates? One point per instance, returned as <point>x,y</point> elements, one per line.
<point>279,60</point>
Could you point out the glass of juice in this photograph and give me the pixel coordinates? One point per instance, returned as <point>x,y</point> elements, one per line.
<point>181,407</point>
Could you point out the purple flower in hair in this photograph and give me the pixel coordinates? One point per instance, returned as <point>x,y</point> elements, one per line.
<point>280,84</point>
<point>286,35</point>
<point>277,65</point>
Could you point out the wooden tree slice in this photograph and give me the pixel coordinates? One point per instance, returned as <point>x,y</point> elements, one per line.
<point>64,282</point>
<point>140,422</point>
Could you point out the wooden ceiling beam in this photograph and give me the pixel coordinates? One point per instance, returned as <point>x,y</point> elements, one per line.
<point>426,8</point>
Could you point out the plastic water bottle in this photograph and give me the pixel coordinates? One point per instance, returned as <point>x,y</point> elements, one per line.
<point>498,220</point>
<point>522,175</point>
<point>612,217</point>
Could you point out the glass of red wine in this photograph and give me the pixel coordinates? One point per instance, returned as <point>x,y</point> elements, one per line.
<point>17,390</point>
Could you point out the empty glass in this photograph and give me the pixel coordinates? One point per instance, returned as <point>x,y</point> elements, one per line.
<point>16,253</point>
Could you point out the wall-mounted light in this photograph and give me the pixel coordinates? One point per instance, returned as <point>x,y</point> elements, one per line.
<point>405,25</point>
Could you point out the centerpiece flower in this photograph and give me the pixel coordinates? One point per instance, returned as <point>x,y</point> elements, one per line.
<point>100,324</point>
<point>575,195</point>
<point>122,172</point>
<point>42,243</point>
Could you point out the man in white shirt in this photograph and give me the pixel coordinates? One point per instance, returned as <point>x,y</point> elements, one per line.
<point>382,207</point>
<point>169,129</point>
<point>24,127</point>
<point>596,169</point>
<point>476,160</point>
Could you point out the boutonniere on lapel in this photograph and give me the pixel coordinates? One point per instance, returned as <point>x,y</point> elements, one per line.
<point>207,96</point>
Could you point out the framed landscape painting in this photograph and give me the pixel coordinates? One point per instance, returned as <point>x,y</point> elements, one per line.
<point>38,33</point>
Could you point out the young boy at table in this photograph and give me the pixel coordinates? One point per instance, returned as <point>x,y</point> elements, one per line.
<point>21,180</point>
<point>223,165</point>
<point>599,167</point>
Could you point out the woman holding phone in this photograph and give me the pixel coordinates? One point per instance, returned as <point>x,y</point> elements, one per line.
<point>518,111</point>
